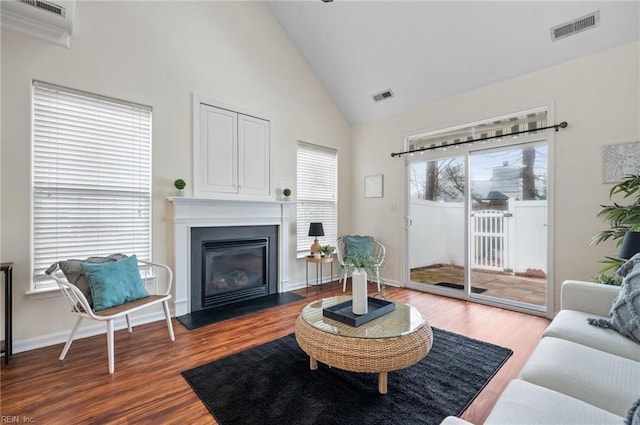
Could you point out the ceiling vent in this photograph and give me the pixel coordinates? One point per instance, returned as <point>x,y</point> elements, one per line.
<point>584,23</point>
<point>42,19</point>
<point>387,94</point>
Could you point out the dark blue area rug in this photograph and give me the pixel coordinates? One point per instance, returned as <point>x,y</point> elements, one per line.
<point>272,385</point>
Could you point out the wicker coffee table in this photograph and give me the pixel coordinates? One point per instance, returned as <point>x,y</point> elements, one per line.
<point>391,342</point>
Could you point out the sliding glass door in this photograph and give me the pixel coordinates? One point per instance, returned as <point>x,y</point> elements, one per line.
<point>437,231</point>
<point>478,223</point>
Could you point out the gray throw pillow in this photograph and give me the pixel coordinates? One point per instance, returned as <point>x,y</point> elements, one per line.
<point>625,311</point>
<point>75,274</point>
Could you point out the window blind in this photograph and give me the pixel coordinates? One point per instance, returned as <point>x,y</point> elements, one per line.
<point>317,197</point>
<point>91,177</point>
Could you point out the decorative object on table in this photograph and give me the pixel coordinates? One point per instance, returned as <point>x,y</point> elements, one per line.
<point>317,255</point>
<point>286,193</point>
<point>622,219</point>
<point>343,312</point>
<point>327,250</point>
<point>374,186</point>
<point>357,264</point>
<point>315,230</point>
<point>359,290</point>
<point>180,185</point>
<point>620,160</point>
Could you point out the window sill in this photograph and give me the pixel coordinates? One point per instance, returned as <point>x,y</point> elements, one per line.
<point>41,293</point>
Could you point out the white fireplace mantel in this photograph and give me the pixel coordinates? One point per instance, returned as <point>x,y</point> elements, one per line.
<point>206,212</point>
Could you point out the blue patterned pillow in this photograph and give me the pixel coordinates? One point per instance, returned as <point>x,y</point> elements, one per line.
<point>115,282</point>
<point>625,311</point>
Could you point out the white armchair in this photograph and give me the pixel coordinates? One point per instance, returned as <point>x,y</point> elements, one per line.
<point>156,279</point>
<point>378,253</point>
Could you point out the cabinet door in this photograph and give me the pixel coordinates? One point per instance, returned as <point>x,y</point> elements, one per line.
<point>218,156</point>
<point>254,155</point>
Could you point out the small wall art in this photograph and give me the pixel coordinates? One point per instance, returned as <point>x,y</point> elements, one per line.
<point>374,186</point>
<point>620,160</point>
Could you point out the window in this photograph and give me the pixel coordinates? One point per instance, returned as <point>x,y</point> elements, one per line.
<point>91,177</point>
<point>317,186</point>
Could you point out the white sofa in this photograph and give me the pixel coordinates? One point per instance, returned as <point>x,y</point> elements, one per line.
<point>578,374</point>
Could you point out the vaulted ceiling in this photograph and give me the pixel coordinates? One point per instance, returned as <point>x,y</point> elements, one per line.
<point>428,50</point>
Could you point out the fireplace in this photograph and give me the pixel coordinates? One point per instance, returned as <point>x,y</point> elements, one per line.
<point>190,214</point>
<point>232,263</point>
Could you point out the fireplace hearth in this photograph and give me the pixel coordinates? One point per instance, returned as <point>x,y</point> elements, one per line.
<point>232,264</point>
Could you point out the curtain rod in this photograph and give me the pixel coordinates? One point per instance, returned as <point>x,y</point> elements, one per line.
<point>557,127</point>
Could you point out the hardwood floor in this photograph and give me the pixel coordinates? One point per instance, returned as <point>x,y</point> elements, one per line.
<point>147,387</point>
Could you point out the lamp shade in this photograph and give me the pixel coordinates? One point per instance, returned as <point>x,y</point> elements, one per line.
<point>315,229</point>
<point>630,245</point>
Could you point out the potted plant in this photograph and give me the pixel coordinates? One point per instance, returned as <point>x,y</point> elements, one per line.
<point>327,250</point>
<point>180,185</point>
<point>286,192</point>
<point>357,265</point>
<point>621,218</point>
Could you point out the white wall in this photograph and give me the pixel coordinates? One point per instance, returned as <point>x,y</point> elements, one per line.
<point>598,95</point>
<point>159,54</point>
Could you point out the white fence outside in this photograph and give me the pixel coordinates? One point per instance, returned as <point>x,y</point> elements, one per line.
<point>518,243</point>
<point>491,239</point>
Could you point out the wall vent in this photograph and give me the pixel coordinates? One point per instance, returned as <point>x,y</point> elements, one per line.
<point>382,95</point>
<point>45,5</point>
<point>42,19</point>
<point>583,23</point>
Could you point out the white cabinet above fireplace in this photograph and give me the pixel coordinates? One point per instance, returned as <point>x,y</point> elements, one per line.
<point>232,151</point>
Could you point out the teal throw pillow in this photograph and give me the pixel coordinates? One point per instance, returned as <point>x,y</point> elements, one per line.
<point>354,244</point>
<point>114,283</point>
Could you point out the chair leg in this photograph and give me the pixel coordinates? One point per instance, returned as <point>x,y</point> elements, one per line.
<point>378,278</point>
<point>110,345</point>
<point>165,306</point>
<point>70,339</point>
<point>128,323</point>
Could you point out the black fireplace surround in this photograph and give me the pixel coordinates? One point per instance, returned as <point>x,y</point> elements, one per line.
<point>231,264</point>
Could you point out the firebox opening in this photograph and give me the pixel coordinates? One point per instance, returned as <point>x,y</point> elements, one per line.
<point>231,264</point>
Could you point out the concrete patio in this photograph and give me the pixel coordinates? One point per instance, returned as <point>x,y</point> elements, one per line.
<point>524,289</point>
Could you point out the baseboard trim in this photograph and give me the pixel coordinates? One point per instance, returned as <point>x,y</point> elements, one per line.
<point>89,328</point>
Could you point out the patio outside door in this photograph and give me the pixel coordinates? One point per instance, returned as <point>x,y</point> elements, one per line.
<point>478,225</point>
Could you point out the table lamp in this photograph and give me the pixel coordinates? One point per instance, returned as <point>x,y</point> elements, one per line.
<point>630,245</point>
<point>315,230</point>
